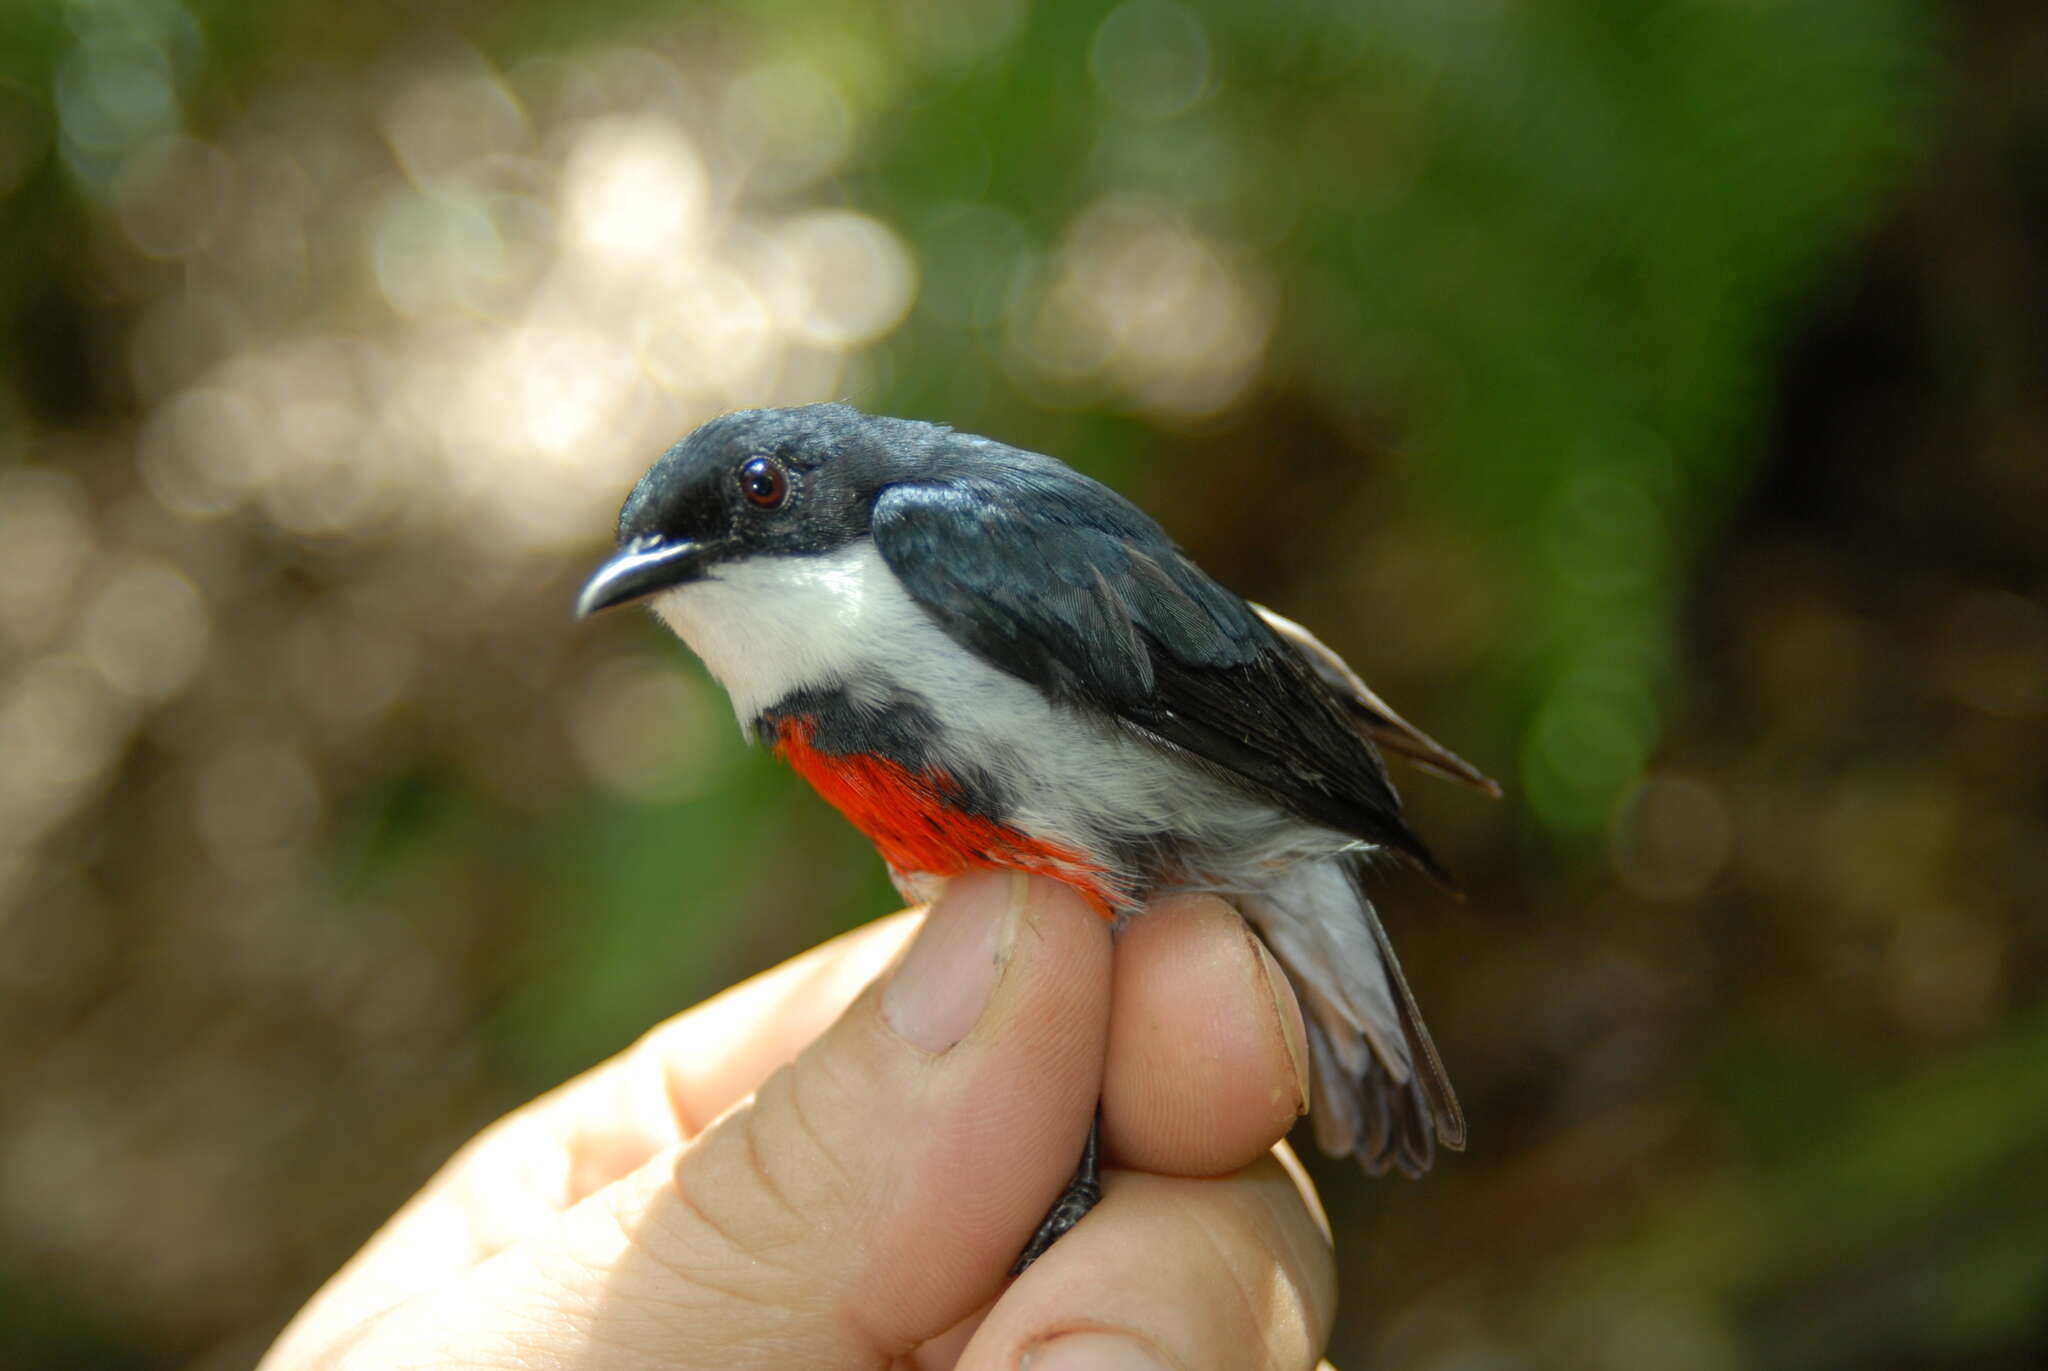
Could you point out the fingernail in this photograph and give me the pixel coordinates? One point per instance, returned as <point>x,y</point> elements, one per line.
<point>1094,1351</point>
<point>1288,1009</point>
<point>952,967</point>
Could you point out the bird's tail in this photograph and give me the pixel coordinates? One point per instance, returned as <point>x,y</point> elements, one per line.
<point>1379,1092</point>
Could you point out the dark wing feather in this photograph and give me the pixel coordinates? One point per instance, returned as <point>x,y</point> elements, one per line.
<point>1371,715</point>
<point>1062,583</point>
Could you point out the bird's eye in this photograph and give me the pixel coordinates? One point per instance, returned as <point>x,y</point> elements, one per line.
<point>764,482</point>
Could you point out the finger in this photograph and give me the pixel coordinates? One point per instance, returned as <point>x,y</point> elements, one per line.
<point>1232,1273</point>
<point>685,1072</point>
<point>1207,1057</point>
<point>517,1176</point>
<point>869,1197</point>
<point>678,1077</point>
<point>943,1352</point>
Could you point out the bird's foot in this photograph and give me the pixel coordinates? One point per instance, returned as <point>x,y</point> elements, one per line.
<point>1076,1200</point>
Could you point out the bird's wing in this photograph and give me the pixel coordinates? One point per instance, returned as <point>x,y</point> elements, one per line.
<point>1085,598</point>
<point>1371,715</point>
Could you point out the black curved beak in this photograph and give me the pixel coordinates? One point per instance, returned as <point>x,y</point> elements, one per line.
<point>642,567</point>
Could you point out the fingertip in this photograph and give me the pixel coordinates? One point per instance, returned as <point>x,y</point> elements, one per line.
<point>943,984</point>
<point>1205,1065</point>
<point>1228,1271</point>
<point>1059,953</point>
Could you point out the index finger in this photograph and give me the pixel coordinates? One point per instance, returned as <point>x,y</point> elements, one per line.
<point>686,1071</point>
<point>681,1074</point>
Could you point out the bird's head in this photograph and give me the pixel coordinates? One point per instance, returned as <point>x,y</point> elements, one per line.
<point>756,483</point>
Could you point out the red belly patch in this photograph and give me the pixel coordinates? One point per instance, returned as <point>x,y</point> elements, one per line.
<point>915,820</point>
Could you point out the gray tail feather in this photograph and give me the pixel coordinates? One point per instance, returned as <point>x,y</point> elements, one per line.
<point>1379,1089</point>
<point>1429,1075</point>
<point>1382,1122</point>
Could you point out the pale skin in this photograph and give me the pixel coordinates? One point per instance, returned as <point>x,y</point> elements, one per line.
<point>833,1165</point>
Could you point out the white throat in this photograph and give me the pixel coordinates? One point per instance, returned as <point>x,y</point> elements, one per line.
<point>768,626</point>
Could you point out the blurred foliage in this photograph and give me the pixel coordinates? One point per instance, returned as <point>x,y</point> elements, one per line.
<point>1648,397</point>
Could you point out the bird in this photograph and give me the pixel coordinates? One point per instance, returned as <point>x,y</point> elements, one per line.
<point>986,659</point>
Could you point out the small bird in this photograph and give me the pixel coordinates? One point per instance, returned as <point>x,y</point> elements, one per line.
<point>985,659</point>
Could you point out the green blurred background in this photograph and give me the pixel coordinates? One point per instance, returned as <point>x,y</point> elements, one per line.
<point>1650,398</point>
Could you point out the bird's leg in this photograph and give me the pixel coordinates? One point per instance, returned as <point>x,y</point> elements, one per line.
<point>1076,1200</point>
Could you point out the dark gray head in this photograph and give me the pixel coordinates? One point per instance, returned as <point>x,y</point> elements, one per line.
<point>760,482</point>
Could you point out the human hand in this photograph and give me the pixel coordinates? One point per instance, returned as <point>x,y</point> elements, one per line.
<point>803,1172</point>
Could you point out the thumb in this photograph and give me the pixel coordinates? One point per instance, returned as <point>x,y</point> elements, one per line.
<point>873,1192</point>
